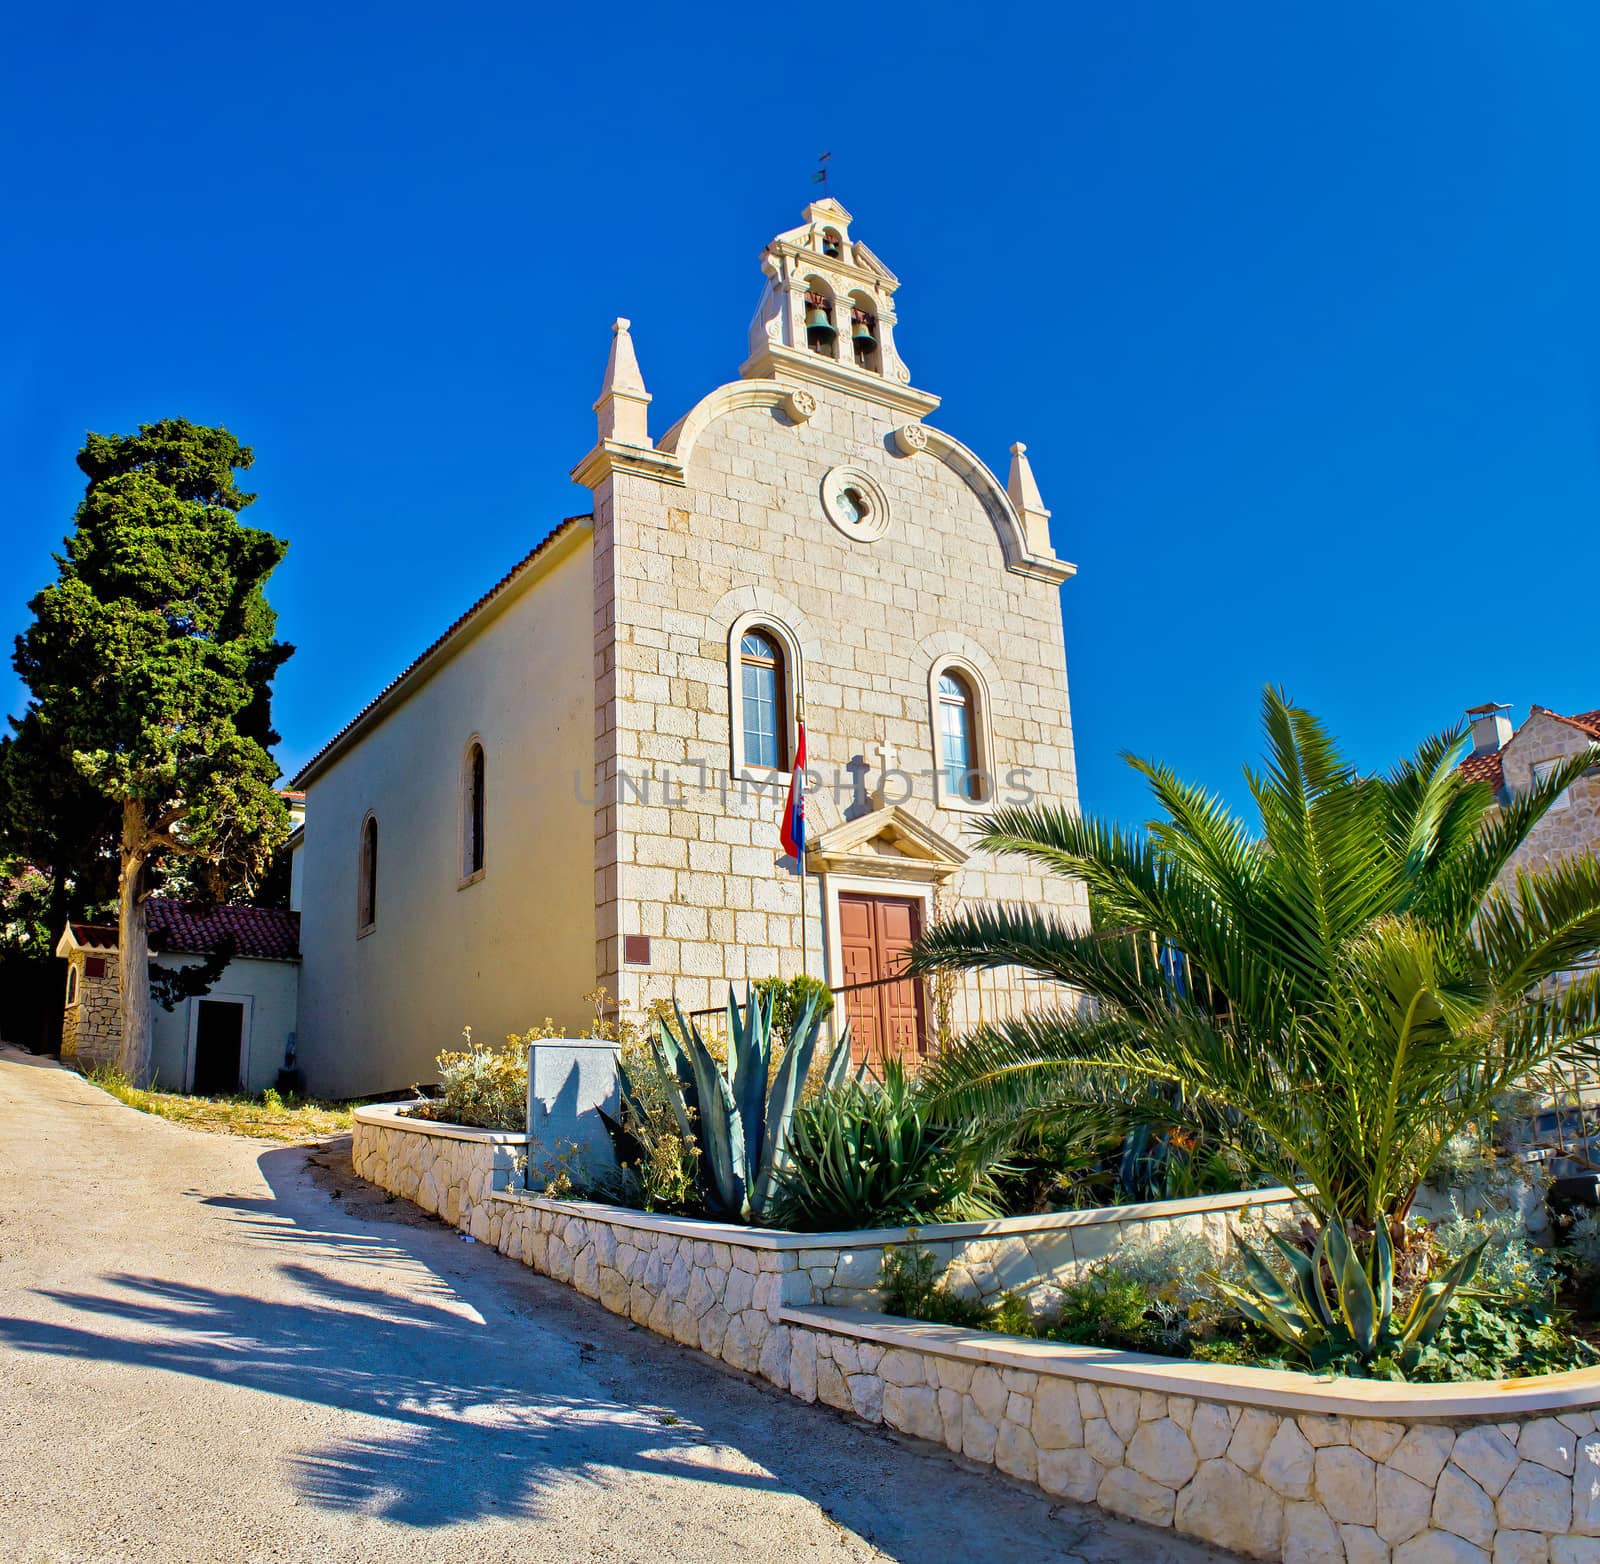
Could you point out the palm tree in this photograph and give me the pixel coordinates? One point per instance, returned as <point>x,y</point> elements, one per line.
<point>1365,979</point>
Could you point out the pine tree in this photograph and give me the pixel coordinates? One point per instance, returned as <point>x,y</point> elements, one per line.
<point>149,665</point>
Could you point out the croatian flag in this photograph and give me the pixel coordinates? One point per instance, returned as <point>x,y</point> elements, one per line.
<point>794,812</point>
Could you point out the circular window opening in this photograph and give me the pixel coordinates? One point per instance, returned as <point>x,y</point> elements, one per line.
<point>855,504</point>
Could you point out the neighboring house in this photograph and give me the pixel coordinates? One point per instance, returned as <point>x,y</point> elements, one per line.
<point>236,1037</point>
<point>580,782</point>
<point>1510,760</point>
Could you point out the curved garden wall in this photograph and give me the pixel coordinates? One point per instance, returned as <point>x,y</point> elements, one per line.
<point>1279,1466</point>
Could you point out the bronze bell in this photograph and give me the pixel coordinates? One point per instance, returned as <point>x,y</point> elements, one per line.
<point>819,329</point>
<point>862,338</point>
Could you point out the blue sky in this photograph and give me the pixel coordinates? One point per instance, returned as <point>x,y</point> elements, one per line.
<point>1293,305</point>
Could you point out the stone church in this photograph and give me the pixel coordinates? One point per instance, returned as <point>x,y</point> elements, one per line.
<point>580,783</point>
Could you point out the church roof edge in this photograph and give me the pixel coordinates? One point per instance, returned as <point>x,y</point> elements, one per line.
<point>395,687</point>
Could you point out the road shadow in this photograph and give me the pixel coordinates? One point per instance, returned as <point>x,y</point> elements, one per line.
<point>493,1391</point>
<point>463,1446</point>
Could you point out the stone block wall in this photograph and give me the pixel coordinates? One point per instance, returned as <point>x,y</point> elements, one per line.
<point>1564,832</point>
<point>687,854</point>
<point>444,1168</point>
<point>1302,1485</point>
<point>91,1026</point>
<point>1278,1466</point>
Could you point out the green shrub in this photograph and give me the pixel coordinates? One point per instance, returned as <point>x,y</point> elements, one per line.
<point>863,1154</point>
<point>1485,1338</point>
<point>485,1088</point>
<point>909,1285</point>
<point>789,998</point>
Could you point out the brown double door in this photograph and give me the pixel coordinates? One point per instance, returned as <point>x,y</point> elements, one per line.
<point>875,932</point>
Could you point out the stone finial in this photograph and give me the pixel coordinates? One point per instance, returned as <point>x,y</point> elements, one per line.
<point>624,402</point>
<point>1029,505</point>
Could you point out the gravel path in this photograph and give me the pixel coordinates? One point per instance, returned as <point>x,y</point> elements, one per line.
<point>216,1349</point>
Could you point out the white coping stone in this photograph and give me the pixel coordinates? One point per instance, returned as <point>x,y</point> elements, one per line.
<point>388,1116</point>
<point>881,1237</point>
<point>1278,1389</point>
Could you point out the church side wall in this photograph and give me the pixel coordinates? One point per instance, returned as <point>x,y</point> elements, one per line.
<point>696,865</point>
<point>499,954</point>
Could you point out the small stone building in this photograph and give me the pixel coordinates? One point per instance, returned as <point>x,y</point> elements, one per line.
<point>580,782</point>
<point>235,1037</point>
<point>1510,760</point>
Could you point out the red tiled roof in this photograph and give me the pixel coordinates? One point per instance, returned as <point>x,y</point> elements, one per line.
<point>94,936</point>
<point>267,933</point>
<point>300,778</point>
<point>1585,721</point>
<point>1490,768</point>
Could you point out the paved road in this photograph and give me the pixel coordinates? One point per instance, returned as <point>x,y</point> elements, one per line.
<point>215,1349</point>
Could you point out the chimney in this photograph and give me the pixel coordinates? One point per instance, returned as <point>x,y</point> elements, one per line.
<point>1491,728</point>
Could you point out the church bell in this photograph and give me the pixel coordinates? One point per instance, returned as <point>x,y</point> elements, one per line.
<point>862,338</point>
<point>819,329</point>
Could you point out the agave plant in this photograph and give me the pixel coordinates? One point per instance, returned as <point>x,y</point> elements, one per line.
<point>737,1114</point>
<point>1337,1307</point>
<point>866,1154</point>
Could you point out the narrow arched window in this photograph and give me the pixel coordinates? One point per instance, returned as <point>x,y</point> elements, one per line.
<point>472,812</point>
<point>72,984</point>
<point>765,710</point>
<point>955,736</point>
<point>367,890</point>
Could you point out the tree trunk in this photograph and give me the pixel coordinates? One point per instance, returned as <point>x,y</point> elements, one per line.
<point>133,947</point>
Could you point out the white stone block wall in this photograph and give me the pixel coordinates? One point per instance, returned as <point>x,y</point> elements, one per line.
<point>693,860</point>
<point>1278,1466</point>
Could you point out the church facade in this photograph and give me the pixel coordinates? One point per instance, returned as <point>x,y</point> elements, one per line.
<point>580,784</point>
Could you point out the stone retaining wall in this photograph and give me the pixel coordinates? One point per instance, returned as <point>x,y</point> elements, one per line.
<point>1278,1466</point>
<point>444,1168</point>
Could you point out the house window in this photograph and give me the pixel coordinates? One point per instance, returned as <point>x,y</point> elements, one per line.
<point>1543,770</point>
<point>472,811</point>
<point>956,757</point>
<point>94,966</point>
<point>72,984</point>
<point>763,705</point>
<point>367,888</point>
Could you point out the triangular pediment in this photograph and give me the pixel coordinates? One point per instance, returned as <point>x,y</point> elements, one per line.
<point>890,840</point>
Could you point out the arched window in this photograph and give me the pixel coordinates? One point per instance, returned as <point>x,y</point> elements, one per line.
<point>764,703</point>
<point>72,984</point>
<point>367,886</point>
<point>472,811</point>
<point>957,726</point>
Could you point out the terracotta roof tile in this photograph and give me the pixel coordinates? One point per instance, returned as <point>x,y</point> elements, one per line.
<point>298,781</point>
<point>94,936</point>
<point>1484,768</point>
<point>269,933</point>
<point>1584,721</point>
<point>1490,768</point>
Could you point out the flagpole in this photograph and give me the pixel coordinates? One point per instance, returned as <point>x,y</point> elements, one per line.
<point>800,713</point>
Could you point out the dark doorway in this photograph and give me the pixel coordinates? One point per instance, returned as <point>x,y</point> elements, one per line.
<point>218,1036</point>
